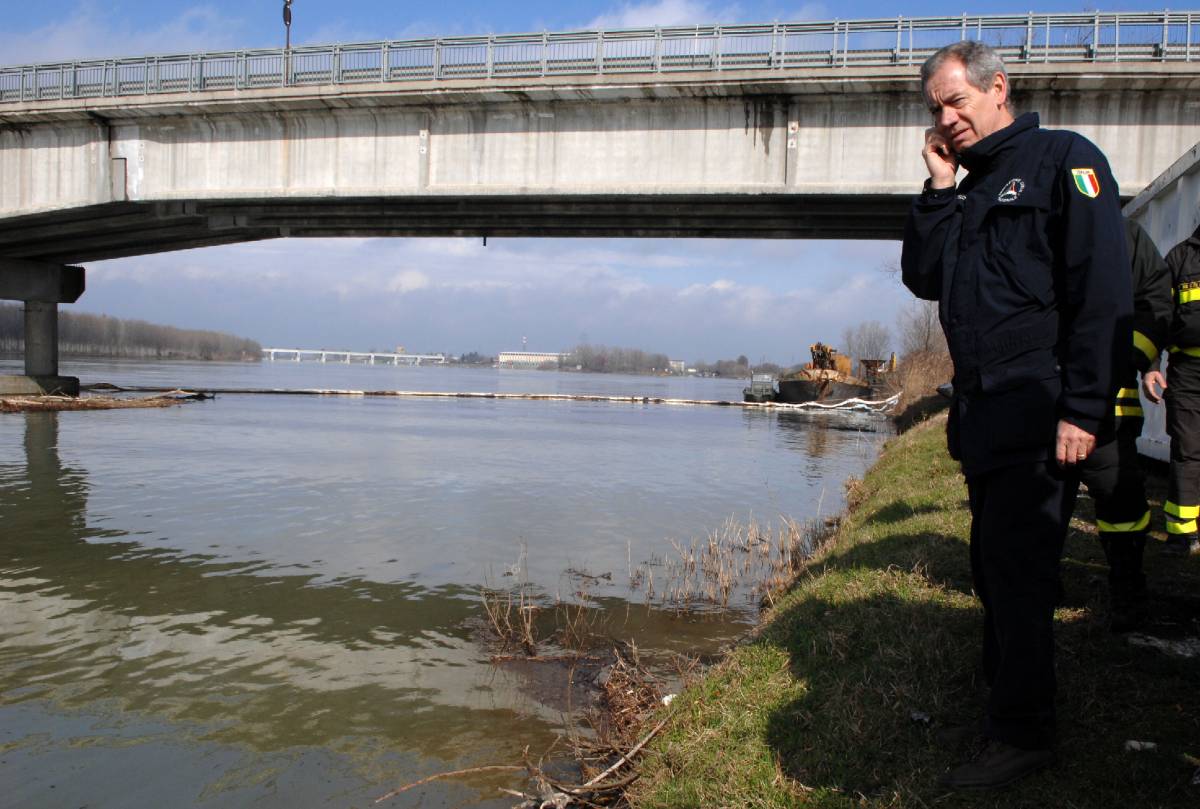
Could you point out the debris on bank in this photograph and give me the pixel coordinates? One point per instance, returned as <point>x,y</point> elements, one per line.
<point>605,745</point>
<point>55,404</point>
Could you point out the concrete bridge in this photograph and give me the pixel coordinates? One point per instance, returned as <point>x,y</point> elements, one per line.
<point>350,357</point>
<point>807,130</point>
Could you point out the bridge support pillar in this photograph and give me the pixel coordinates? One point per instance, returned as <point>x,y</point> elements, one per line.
<point>42,287</point>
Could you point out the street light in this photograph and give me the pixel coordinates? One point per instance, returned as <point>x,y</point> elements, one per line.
<point>287,23</point>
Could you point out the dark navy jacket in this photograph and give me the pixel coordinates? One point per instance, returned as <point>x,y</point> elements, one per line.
<point>1028,262</point>
<point>1152,300</point>
<point>1184,263</point>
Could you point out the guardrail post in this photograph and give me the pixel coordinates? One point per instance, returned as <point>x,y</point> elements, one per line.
<point>437,58</point>
<point>335,69</point>
<point>714,52</point>
<point>600,52</point>
<point>1046,44</point>
<point>657,49</point>
<point>1116,39</point>
<point>1165,38</point>
<point>385,58</point>
<point>545,49</point>
<point>833,51</point>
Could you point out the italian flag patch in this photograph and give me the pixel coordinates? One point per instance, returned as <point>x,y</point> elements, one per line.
<point>1086,182</point>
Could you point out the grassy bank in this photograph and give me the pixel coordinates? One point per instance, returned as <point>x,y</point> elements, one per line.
<point>819,709</point>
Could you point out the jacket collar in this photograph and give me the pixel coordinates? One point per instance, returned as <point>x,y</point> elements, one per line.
<point>981,154</point>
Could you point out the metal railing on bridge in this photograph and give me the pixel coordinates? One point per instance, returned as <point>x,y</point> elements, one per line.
<point>1112,37</point>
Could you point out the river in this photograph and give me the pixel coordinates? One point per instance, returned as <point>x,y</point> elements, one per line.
<point>275,601</point>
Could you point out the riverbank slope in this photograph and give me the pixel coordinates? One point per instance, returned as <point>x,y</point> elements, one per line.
<point>836,701</point>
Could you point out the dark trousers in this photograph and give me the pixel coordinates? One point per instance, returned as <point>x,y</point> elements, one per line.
<point>1115,480</point>
<point>1019,517</point>
<point>1183,425</point>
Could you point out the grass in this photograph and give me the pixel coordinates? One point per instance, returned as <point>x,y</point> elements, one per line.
<point>824,706</point>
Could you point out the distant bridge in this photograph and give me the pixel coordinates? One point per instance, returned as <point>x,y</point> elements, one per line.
<point>348,357</point>
<point>797,130</point>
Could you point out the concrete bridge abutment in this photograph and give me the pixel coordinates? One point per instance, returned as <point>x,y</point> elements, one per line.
<point>41,287</point>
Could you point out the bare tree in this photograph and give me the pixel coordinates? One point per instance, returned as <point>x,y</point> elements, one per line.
<point>869,340</point>
<point>920,330</point>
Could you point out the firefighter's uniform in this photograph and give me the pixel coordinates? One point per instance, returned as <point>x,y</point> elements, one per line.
<point>1028,262</point>
<point>1113,472</point>
<point>1183,398</point>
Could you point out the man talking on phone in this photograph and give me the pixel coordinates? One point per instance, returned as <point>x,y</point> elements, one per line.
<point>1027,259</point>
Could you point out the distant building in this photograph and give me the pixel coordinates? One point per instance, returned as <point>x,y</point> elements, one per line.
<point>528,359</point>
<point>678,367</point>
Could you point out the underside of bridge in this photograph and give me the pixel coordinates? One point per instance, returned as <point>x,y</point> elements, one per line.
<point>121,229</point>
<point>35,250</point>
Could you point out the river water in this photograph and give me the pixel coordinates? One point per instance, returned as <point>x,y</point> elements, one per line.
<point>275,601</point>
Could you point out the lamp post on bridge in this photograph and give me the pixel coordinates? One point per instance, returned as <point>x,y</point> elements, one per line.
<point>287,24</point>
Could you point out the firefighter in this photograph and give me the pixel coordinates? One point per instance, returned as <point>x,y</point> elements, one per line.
<point>1028,262</point>
<point>1113,472</point>
<point>1183,399</point>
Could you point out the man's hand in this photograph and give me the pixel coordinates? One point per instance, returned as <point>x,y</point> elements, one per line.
<point>939,159</point>
<point>1073,444</point>
<point>1154,383</point>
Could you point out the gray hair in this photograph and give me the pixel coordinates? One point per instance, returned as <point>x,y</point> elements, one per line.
<point>981,63</point>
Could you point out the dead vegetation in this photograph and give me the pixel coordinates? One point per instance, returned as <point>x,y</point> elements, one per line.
<point>917,379</point>
<point>750,560</point>
<point>739,563</point>
<point>604,746</point>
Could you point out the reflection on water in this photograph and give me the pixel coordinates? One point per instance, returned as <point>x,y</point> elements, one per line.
<point>258,603</point>
<point>270,664</point>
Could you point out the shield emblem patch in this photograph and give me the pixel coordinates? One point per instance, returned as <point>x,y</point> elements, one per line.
<point>1087,182</point>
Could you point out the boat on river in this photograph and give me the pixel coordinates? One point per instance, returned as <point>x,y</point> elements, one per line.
<point>762,389</point>
<point>827,378</point>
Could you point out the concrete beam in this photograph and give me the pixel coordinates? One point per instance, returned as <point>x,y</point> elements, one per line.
<point>22,280</point>
<point>41,357</point>
<point>39,386</point>
<point>41,339</point>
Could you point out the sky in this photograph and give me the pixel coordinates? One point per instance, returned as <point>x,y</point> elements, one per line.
<point>692,299</point>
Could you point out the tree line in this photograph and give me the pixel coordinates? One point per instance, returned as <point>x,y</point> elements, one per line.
<point>606,359</point>
<point>87,335</point>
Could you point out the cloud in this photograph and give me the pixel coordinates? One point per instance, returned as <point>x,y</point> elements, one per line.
<point>689,298</point>
<point>90,32</point>
<point>808,11</point>
<point>408,281</point>
<point>665,12</point>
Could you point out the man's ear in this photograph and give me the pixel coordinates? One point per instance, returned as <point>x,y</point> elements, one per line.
<point>1000,88</point>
